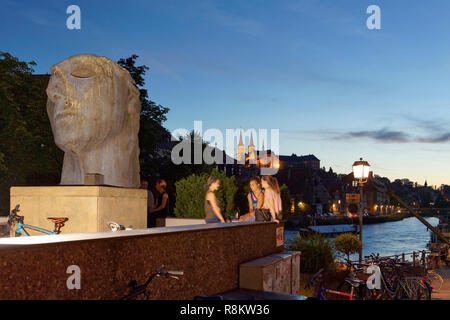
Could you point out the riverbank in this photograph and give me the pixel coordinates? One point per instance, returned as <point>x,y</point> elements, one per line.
<point>296,222</point>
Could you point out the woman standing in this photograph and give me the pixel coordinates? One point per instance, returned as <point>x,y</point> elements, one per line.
<point>255,199</point>
<point>212,210</point>
<point>160,213</point>
<point>271,209</point>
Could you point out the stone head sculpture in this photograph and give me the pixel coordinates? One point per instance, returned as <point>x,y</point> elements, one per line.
<point>93,106</point>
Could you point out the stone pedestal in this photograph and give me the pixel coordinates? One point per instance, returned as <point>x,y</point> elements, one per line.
<point>88,208</point>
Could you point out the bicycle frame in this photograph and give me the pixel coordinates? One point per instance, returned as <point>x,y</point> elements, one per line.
<point>321,291</point>
<point>21,229</point>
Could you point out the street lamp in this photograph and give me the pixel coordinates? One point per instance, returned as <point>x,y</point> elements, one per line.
<point>361,171</point>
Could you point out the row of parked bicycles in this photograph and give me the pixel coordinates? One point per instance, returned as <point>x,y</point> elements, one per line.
<point>382,278</point>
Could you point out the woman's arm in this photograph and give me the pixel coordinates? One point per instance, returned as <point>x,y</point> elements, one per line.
<point>213,200</point>
<point>250,203</point>
<point>163,204</point>
<point>260,202</point>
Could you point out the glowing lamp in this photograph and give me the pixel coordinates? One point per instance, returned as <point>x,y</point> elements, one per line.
<point>361,169</point>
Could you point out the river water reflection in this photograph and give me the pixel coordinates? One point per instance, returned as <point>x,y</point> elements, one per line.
<point>391,238</point>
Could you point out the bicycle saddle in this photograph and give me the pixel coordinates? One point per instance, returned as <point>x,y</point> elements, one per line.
<point>58,220</point>
<point>354,282</point>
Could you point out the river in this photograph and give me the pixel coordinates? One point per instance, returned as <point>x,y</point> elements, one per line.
<point>391,238</point>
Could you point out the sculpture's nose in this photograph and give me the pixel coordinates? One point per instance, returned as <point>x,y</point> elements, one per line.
<point>55,91</point>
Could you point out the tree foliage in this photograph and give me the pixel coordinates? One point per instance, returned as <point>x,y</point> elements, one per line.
<point>317,252</point>
<point>285,200</point>
<point>28,154</point>
<point>191,195</point>
<point>151,131</point>
<point>347,243</point>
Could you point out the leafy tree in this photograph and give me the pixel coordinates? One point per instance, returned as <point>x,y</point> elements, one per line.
<point>28,153</point>
<point>196,142</point>
<point>151,131</point>
<point>229,193</point>
<point>190,195</point>
<point>347,243</point>
<point>285,201</point>
<point>241,197</point>
<point>317,252</point>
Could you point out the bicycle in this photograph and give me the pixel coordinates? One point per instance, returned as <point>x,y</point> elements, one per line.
<point>402,280</point>
<point>433,277</point>
<point>322,292</point>
<point>114,226</point>
<point>357,280</point>
<point>137,290</point>
<point>20,228</point>
<point>396,280</point>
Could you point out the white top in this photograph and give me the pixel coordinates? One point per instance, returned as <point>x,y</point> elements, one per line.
<point>271,194</point>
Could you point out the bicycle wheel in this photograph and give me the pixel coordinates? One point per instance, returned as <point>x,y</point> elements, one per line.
<point>436,281</point>
<point>410,289</point>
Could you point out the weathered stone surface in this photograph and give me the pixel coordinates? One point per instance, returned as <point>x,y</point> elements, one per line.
<point>93,106</point>
<point>209,255</point>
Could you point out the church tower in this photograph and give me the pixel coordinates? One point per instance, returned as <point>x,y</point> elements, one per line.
<point>241,150</point>
<point>251,151</point>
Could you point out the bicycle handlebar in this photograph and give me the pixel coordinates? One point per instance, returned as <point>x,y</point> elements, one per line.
<point>13,216</point>
<point>137,290</point>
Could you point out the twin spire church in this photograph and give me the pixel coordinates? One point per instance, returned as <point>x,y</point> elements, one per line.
<point>263,158</point>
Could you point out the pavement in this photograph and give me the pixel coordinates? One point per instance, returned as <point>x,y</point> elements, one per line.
<point>444,293</point>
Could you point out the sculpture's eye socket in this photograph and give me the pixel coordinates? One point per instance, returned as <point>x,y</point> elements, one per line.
<point>82,73</point>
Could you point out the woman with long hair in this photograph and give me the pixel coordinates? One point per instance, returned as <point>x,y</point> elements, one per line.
<point>271,209</point>
<point>212,210</point>
<point>255,199</point>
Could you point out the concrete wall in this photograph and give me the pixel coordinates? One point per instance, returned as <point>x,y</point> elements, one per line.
<point>210,255</point>
<point>170,222</point>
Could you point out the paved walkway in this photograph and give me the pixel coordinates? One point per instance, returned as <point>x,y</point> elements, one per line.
<point>444,293</point>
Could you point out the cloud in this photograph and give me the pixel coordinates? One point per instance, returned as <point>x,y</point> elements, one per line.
<point>382,135</point>
<point>432,125</point>
<point>440,138</point>
<point>390,136</point>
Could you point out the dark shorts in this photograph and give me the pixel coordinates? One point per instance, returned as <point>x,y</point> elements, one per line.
<point>262,215</point>
<point>213,220</point>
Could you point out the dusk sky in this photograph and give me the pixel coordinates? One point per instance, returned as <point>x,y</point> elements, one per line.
<point>312,69</point>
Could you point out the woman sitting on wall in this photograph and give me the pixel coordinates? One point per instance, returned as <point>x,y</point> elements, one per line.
<point>212,210</point>
<point>271,210</point>
<point>255,199</point>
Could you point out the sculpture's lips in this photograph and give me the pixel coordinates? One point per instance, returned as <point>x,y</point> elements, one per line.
<point>63,109</point>
<point>63,114</point>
